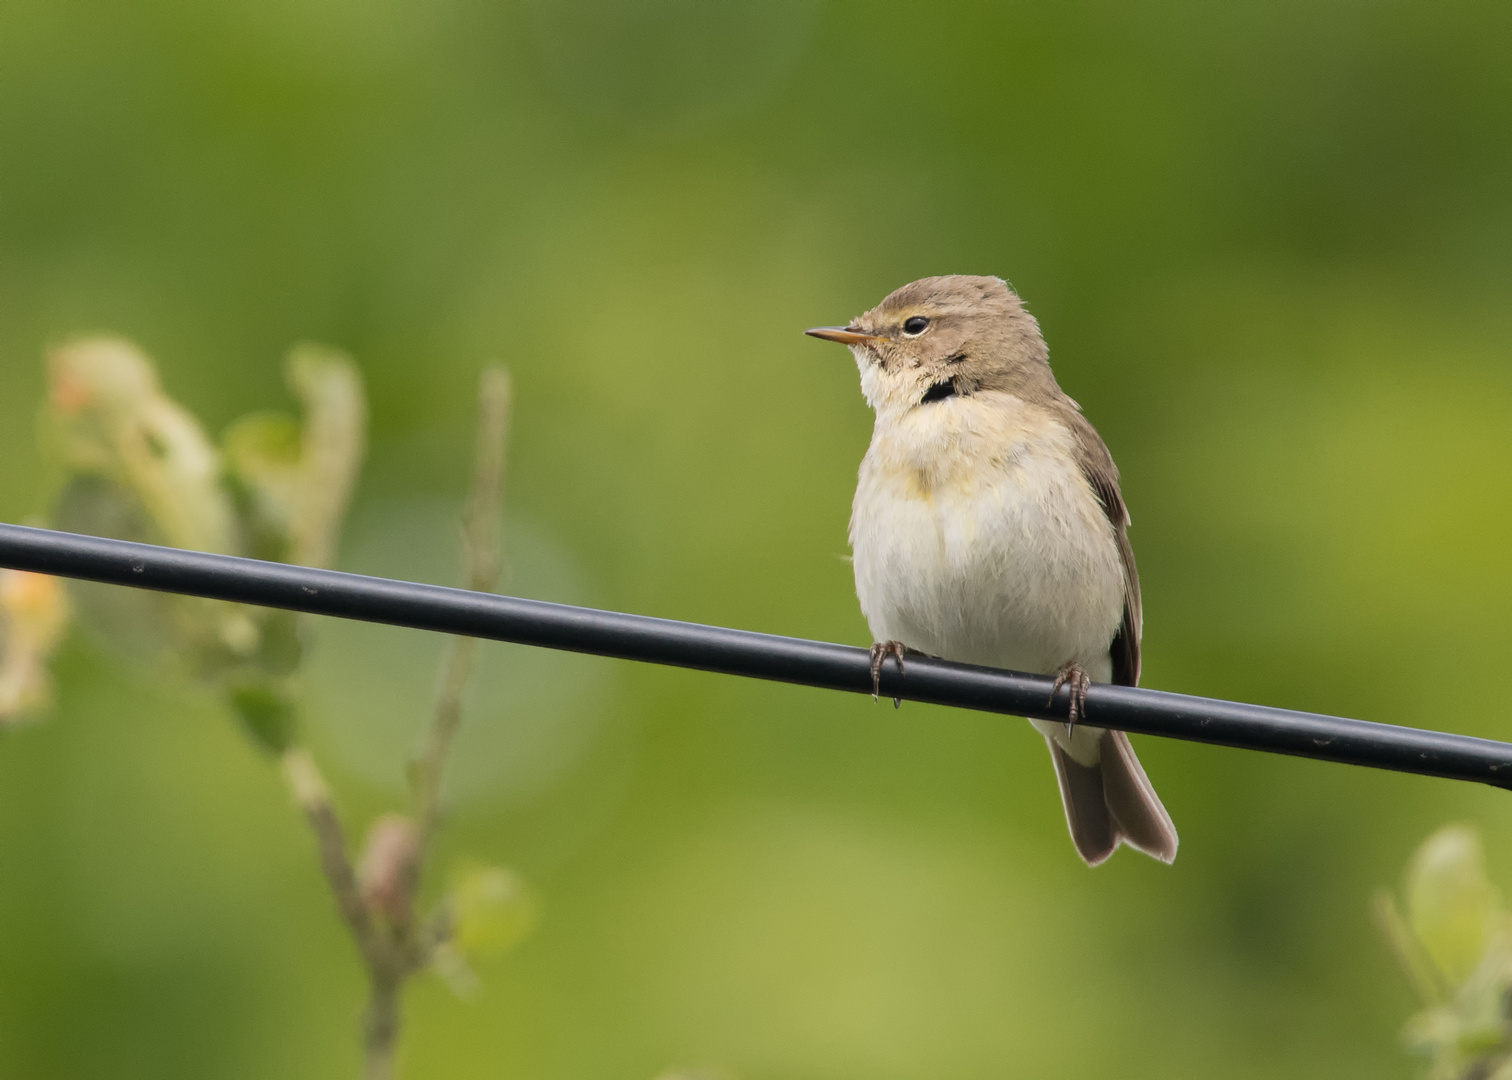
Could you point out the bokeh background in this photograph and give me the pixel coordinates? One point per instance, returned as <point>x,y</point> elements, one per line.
<point>1270,244</point>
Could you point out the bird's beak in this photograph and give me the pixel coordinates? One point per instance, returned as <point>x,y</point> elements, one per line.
<point>842,335</point>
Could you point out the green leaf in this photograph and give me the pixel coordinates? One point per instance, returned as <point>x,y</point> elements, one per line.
<point>297,477</point>
<point>491,910</point>
<point>1451,907</point>
<point>332,445</point>
<point>109,416</point>
<point>262,458</point>
<point>266,714</point>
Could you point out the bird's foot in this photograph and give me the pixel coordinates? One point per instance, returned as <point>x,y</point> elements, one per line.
<point>1071,675</point>
<point>880,651</point>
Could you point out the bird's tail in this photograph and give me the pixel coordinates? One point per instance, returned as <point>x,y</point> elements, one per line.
<point>1109,801</point>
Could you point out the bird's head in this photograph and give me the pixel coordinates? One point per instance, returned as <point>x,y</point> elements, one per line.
<point>940,338</point>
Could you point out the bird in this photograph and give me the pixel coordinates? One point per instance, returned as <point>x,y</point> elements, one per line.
<point>988,527</point>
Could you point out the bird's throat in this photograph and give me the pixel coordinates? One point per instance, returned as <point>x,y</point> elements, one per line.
<point>945,388</point>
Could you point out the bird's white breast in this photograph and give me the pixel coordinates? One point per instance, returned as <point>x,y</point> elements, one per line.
<point>976,537</point>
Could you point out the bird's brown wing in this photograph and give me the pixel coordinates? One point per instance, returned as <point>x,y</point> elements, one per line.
<point>1097,466</point>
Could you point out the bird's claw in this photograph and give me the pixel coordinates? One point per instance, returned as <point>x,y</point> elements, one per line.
<point>1072,676</point>
<point>880,651</point>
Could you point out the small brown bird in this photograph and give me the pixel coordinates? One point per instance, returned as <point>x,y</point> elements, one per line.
<point>988,528</point>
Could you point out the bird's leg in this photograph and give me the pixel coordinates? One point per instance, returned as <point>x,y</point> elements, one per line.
<point>880,651</point>
<point>1071,675</point>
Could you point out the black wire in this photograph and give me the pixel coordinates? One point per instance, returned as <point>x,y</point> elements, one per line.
<point>742,652</point>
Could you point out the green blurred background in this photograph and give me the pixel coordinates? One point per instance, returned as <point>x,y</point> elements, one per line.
<point>1270,244</point>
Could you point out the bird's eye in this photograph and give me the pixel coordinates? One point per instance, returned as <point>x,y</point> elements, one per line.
<point>916,326</point>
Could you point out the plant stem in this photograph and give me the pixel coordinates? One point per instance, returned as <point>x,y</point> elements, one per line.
<point>380,1025</point>
<point>395,947</point>
<point>314,798</point>
<point>484,559</point>
<point>386,962</point>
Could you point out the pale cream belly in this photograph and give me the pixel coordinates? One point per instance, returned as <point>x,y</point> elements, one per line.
<point>1014,565</point>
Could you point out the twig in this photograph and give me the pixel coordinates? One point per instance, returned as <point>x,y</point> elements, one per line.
<point>314,798</point>
<point>393,947</point>
<point>380,1024</point>
<point>411,947</point>
<point>481,551</point>
<point>387,960</point>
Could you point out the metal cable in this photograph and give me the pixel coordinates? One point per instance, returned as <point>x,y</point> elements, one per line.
<point>743,652</point>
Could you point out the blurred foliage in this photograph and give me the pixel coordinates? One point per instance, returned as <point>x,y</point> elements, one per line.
<point>33,616</point>
<point>388,858</point>
<point>109,418</point>
<point>298,477</point>
<point>1455,944</point>
<point>1270,245</point>
<point>491,910</point>
<point>137,465</point>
